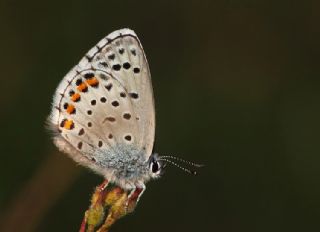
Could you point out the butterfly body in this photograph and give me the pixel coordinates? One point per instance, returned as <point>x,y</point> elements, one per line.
<point>103,112</point>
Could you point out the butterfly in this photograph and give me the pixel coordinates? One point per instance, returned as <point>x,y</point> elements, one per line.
<point>103,113</point>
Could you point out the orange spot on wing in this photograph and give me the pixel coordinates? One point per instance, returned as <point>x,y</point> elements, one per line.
<point>92,82</point>
<point>82,87</point>
<point>69,125</point>
<point>75,97</point>
<point>71,109</point>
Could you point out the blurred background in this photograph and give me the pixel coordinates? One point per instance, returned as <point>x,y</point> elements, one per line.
<point>236,87</point>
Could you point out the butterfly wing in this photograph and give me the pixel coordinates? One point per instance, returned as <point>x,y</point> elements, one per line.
<point>106,99</point>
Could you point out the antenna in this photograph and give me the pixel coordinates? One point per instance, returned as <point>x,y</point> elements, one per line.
<point>182,160</point>
<point>192,172</point>
<point>169,159</point>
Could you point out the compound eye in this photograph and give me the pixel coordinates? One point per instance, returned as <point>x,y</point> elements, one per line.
<point>155,166</point>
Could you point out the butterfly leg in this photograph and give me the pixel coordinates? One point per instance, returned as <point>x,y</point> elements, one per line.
<point>103,186</point>
<point>134,197</point>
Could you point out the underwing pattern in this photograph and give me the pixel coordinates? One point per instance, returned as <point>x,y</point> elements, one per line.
<point>103,111</point>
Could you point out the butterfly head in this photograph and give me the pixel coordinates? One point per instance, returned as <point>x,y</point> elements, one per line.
<point>155,166</point>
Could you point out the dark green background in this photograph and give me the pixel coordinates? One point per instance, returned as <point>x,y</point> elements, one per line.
<point>236,87</point>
